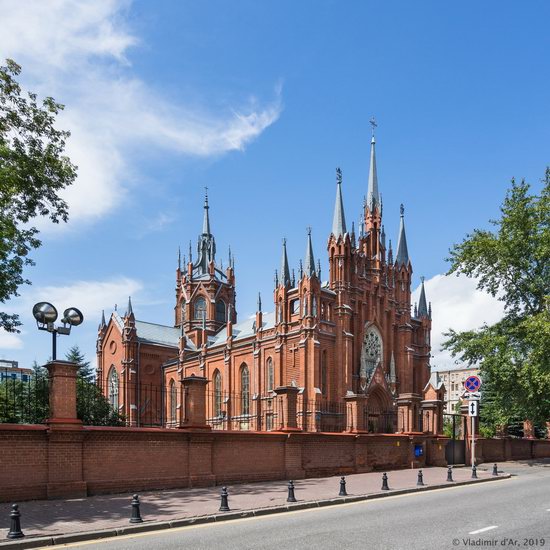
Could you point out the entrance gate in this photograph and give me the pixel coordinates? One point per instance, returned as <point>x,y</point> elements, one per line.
<point>454,428</point>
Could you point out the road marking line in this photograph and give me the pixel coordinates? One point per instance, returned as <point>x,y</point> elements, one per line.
<point>266,516</point>
<point>491,527</point>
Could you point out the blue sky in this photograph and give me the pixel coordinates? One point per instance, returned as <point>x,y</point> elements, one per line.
<point>261,101</point>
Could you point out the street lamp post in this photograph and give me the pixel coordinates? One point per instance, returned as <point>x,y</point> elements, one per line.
<point>46,315</point>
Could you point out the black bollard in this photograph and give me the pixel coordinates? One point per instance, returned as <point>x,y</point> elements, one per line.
<point>450,474</point>
<point>495,470</point>
<point>420,480</point>
<point>474,472</point>
<point>136,516</point>
<point>385,486</point>
<point>291,497</point>
<point>224,506</point>
<point>343,492</point>
<point>15,523</point>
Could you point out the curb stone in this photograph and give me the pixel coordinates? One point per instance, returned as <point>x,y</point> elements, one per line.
<point>37,542</point>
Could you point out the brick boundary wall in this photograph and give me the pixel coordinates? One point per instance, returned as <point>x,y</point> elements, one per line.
<point>38,462</point>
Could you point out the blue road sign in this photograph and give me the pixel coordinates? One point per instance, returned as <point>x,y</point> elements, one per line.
<point>472,383</point>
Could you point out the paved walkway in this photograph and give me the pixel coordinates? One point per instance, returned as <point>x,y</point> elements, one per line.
<point>55,517</point>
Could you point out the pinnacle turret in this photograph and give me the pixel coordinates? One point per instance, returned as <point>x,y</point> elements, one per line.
<point>284,278</point>
<point>422,305</point>
<point>339,219</point>
<point>309,268</point>
<point>402,257</point>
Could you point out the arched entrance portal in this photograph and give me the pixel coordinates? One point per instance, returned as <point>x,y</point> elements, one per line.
<point>380,416</point>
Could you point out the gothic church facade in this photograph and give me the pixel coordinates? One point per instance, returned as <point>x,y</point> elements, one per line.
<point>353,335</point>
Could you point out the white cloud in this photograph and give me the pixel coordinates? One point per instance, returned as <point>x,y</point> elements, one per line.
<point>456,304</point>
<point>8,340</point>
<point>76,51</point>
<point>91,297</point>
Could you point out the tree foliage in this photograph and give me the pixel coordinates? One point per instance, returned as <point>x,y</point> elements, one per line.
<point>512,263</point>
<point>33,170</point>
<point>85,371</point>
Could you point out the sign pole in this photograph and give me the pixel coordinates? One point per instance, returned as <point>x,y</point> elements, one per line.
<point>473,442</point>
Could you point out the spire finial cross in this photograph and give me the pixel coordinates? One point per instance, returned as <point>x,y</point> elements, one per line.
<point>308,229</point>
<point>373,123</point>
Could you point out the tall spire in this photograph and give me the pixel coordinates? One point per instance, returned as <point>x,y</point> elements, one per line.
<point>206,246</point>
<point>339,219</point>
<point>206,219</point>
<point>373,195</point>
<point>310,260</point>
<point>422,305</point>
<point>402,257</point>
<point>284,277</point>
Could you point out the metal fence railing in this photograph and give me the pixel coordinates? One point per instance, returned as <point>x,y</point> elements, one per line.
<point>23,401</point>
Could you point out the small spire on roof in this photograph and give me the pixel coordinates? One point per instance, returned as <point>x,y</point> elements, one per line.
<point>319,269</point>
<point>129,310</point>
<point>190,252</point>
<point>383,237</point>
<point>259,302</point>
<point>179,257</point>
<point>285,272</point>
<point>310,260</point>
<point>402,257</point>
<point>293,278</point>
<point>102,324</point>
<point>422,307</point>
<point>338,219</point>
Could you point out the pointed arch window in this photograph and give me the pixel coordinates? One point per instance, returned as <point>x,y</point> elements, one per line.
<point>269,375</point>
<point>220,311</point>
<point>217,394</point>
<point>314,307</point>
<point>245,389</point>
<point>113,388</point>
<point>200,308</point>
<point>173,402</point>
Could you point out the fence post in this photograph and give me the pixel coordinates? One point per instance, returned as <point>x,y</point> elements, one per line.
<point>62,375</point>
<point>355,413</point>
<point>289,400</point>
<point>194,403</point>
<point>65,434</point>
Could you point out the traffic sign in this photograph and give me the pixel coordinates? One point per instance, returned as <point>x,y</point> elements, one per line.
<point>473,408</point>
<point>472,383</point>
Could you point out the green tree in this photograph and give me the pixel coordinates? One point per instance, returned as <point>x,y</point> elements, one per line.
<point>33,170</point>
<point>85,371</point>
<point>512,263</point>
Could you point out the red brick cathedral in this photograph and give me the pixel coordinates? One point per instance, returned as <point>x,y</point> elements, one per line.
<point>327,345</point>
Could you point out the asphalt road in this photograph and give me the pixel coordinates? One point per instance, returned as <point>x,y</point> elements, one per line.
<point>513,513</point>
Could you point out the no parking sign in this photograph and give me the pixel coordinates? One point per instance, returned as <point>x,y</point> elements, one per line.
<point>472,383</point>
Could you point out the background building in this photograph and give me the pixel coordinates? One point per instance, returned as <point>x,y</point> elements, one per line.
<point>453,380</point>
<point>10,370</point>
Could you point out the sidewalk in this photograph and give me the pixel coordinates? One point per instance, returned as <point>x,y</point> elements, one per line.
<point>112,512</point>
